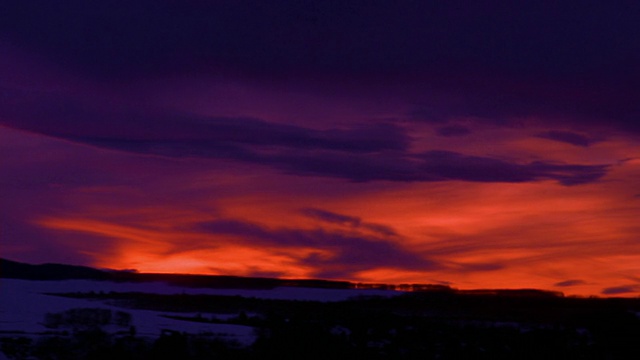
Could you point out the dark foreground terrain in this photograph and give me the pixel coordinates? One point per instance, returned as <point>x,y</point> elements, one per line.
<point>436,323</point>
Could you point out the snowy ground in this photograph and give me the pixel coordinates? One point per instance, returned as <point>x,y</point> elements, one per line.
<point>23,304</point>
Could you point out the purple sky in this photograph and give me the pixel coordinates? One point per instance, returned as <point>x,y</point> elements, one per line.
<point>477,144</point>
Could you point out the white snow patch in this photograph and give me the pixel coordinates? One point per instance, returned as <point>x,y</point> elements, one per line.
<point>23,304</point>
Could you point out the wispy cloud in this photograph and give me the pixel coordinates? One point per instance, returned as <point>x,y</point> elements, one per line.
<point>338,255</point>
<point>623,289</point>
<point>376,152</point>
<point>568,137</point>
<point>346,220</point>
<point>568,283</point>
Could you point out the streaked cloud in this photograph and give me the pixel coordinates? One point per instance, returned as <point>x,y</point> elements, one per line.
<point>623,289</point>
<point>568,283</point>
<point>568,137</point>
<point>337,255</point>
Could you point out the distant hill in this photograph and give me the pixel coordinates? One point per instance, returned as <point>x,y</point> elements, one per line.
<point>16,270</point>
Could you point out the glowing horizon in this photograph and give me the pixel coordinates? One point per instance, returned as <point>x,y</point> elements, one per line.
<point>486,157</point>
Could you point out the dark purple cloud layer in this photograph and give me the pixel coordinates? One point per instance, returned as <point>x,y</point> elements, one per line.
<point>432,166</point>
<point>123,37</point>
<point>568,283</point>
<point>569,138</point>
<point>574,60</point>
<point>624,289</point>
<point>346,220</point>
<point>361,154</point>
<point>60,116</point>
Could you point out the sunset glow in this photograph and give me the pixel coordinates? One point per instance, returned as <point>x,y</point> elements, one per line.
<point>343,158</point>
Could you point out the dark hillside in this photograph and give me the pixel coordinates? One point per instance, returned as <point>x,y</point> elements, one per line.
<point>16,270</point>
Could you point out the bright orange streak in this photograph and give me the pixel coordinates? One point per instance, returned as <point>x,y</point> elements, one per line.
<point>156,250</point>
<point>484,235</point>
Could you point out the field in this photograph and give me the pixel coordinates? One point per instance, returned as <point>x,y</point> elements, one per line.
<point>146,317</point>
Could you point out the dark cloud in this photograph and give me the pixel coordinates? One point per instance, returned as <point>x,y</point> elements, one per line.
<point>141,129</point>
<point>430,166</point>
<point>455,166</point>
<point>332,217</point>
<point>349,252</point>
<point>361,154</point>
<point>567,283</point>
<point>568,137</point>
<point>345,220</point>
<point>393,166</point>
<point>501,101</point>
<point>625,289</point>
<point>453,130</point>
<point>380,229</point>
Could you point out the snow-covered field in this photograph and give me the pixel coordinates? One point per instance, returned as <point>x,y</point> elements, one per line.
<point>23,304</point>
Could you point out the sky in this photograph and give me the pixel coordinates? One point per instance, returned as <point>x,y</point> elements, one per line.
<point>476,144</point>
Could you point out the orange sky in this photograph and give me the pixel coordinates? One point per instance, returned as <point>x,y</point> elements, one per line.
<point>493,146</point>
<point>479,235</point>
